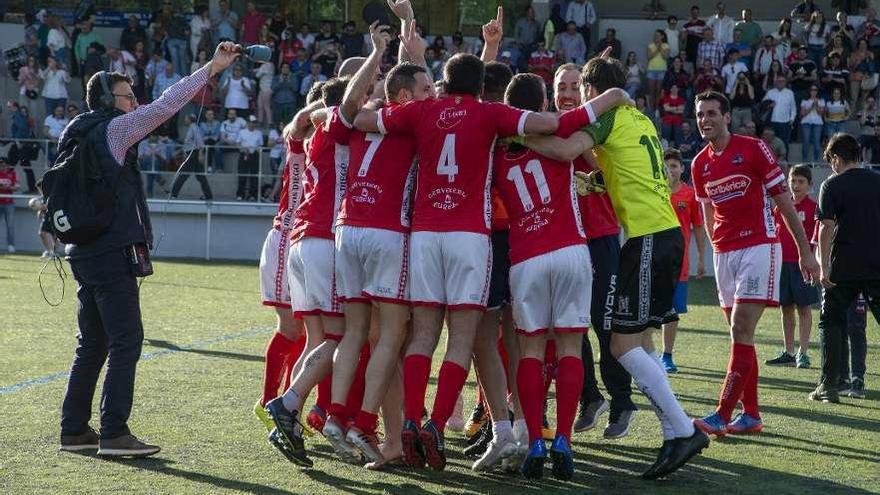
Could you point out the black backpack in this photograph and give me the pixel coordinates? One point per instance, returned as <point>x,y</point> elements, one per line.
<point>80,201</point>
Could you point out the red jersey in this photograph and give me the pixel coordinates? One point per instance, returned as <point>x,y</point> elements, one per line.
<point>380,181</point>
<point>291,185</point>
<point>541,63</point>
<point>539,195</point>
<point>685,205</point>
<point>455,138</point>
<point>596,210</point>
<point>8,181</point>
<point>739,182</point>
<point>806,210</point>
<point>323,179</point>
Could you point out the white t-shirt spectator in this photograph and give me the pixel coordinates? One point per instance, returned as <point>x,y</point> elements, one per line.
<point>729,73</point>
<point>722,27</point>
<point>672,39</point>
<point>815,115</point>
<point>250,140</point>
<point>236,95</point>
<point>277,143</point>
<point>307,40</point>
<point>54,126</point>
<point>126,64</point>
<point>229,130</point>
<point>56,40</point>
<point>784,108</point>
<point>55,83</point>
<point>264,75</point>
<point>196,27</point>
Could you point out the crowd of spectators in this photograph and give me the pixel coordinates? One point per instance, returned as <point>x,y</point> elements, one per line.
<point>801,81</point>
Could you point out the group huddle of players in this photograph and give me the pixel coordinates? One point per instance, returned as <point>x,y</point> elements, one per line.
<point>404,209</point>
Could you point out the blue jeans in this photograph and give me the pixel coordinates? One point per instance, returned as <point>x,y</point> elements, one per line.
<point>7,211</point>
<point>854,344</point>
<point>831,128</point>
<point>178,50</point>
<point>811,140</point>
<point>783,132</point>
<point>150,165</point>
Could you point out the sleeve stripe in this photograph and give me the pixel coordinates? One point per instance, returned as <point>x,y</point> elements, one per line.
<point>521,127</point>
<point>772,182</point>
<point>380,123</point>
<point>591,115</point>
<point>342,118</point>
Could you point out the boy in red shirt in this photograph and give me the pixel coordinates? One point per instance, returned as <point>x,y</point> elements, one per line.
<point>8,185</point>
<point>794,294</point>
<point>691,219</point>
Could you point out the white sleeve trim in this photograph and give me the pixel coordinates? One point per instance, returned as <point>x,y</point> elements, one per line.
<point>702,199</point>
<point>779,178</point>
<point>342,117</point>
<point>380,123</point>
<point>591,114</point>
<point>521,127</point>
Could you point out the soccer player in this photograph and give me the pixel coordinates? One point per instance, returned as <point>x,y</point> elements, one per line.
<point>690,217</point>
<point>311,267</point>
<point>450,249</point>
<point>795,295</point>
<point>549,282</point>
<point>603,239</point>
<point>735,177</point>
<point>630,159</point>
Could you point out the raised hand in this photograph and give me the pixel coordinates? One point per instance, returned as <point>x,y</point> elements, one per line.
<point>401,8</point>
<point>412,42</point>
<point>379,37</point>
<point>493,30</point>
<point>224,56</point>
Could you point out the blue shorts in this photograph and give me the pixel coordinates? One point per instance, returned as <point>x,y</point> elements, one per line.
<point>656,75</point>
<point>680,298</point>
<point>793,290</point>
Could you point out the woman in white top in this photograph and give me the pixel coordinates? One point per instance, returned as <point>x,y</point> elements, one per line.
<point>264,75</point>
<point>783,38</point>
<point>238,90</point>
<point>836,112</point>
<point>812,112</point>
<point>57,41</point>
<point>123,61</point>
<point>29,86</point>
<point>198,26</point>
<point>55,81</point>
<point>816,36</point>
<point>634,73</point>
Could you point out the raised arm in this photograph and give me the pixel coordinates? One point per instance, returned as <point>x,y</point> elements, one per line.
<point>301,121</point>
<point>363,79</point>
<point>540,123</point>
<point>404,11</point>
<point>126,130</point>
<point>557,148</point>
<point>589,112</point>
<point>414,46</point>
<point>367,121</point>
<point>493,32</point>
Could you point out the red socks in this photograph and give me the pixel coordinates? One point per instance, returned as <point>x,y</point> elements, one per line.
<point>569,382</point>
<point>416,371</point>
<point>281,353</point>
<point>530,384</point>
<point>739,370</point>
<point>366,422</point>
<point>449,384</point>
<point>323,400</point>
<point>750,391</point>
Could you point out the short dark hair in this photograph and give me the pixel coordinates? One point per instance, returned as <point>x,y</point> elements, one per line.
<point>402,76</point>
<point>671,18</point>
<point>526,91</point>
<point>604,74</point>
<point>464,74</point>
<point>843,146</point>
<point>333,91</point>
<point>802,170</point>
<point>722,100</point>
<point>94,89</point>
<point>495,81</point>
<point>672,154</point>
<point>315,93</point>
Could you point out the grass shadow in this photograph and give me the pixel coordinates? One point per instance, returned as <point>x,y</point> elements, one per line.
<point>164,344</point>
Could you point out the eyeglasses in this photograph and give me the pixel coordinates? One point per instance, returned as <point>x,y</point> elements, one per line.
<point>131,97</point>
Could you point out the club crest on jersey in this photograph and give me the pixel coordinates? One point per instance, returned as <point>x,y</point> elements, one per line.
<point>450,117</point>
<point>737,159</point>
<point>730,187</point>
<point>682,205</point>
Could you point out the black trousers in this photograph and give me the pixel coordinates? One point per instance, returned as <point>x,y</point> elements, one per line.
<point>605,254</point>
<point>110,329</point>
<point>192,166</point>
<point>836,303</point>
<point>248,165</point>
<point>854,342</point>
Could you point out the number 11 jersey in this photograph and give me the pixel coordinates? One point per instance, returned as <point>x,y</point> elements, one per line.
<point>455,138</point>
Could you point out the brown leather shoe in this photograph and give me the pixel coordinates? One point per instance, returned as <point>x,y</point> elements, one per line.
<point>126,446</point>
<point>76,443</point>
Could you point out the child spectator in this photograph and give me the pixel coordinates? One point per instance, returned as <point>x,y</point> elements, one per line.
<point>8,185</point>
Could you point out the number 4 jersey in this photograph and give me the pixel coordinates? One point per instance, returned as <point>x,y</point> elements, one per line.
<point>540,199</point>
<point>455,137</point>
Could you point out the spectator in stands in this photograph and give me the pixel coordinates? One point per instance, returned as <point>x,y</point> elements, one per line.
<point>200,30</point>
<point>677,74</point>
<point>845,29</point>
<point>743,48</point>
<point>123,61</point>
<point>53,125</point>
<point>72,111</point>
<point>288,47</point>
<point>671,113</point>
<point>526,33</point>
<point>868,116</point>
<point>721,24</point>
<point>784,111</point>
<point>277,24</point>
<point>8,185</point>
<point>693,29</point>
<point>769,79</point>
<point>611,40</point>
<point>164,80</point>
<point>132,33</point>
<point>84,41</point>
<point>803,11</point>
<point>583,14</point>
<point>708,78</point>
<point>816,36</point>
<point>225,22</point>
<point>870,145</point>
<point>803,73</point>
<point>783,39</point>
<point>351,41</point>
<point>555,24</point>
<point>570,44</point>
<point>541,63</point>
<point>688,142</point>
<point>634,74</point>
<point>837,112</point>
<point>300,66</point>
<point>193,143</point>
<point>275,139</point>
<point>29,85</point>
<point>731,70</point>
<point>154,67</point>
<point>31,36</point>
<point>439,46</point>
<point>812,121</point>
<point>710,49</point>
<point>306,37</point>
<point>229,130</point>
<point>237,90</point>
<point>151,159</point>
<point>765,55</point>
<point>210,131</point>
<point>834,75</point>
<point>674,35</point>
<point>768,135</point>
<point>251,24</point>
<point>459,45</point>
<point>751,30</point>
<point>265,75</point>
<point>863,76</point>
<point>58,41</point>
<point>505,58</point>
<point>315,76</point>
<point>141,60</point>
<point>870,30</point>
<point>250,140</point>
<point>177,38</point>
<point>327,49</point>
<point>23,127</point>
<point>657,56</point>
<point>742,100</point>
<point>199,62</point>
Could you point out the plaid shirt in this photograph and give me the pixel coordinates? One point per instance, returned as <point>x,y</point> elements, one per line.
<point>712,51</point>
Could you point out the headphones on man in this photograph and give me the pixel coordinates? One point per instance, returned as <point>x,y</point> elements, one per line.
<point>107,101</point>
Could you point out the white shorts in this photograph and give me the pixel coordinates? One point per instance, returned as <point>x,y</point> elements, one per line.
<point>553,291</point>
<point>273,269</point>
<point>749,275</point>
<point>310,266</point>
<point>371,265</point>
<point>450,269</point>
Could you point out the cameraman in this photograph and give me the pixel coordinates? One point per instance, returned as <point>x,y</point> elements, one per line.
<point>108,307</point>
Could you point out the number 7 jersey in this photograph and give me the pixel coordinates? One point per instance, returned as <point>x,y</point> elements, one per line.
<point>455,138</point>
